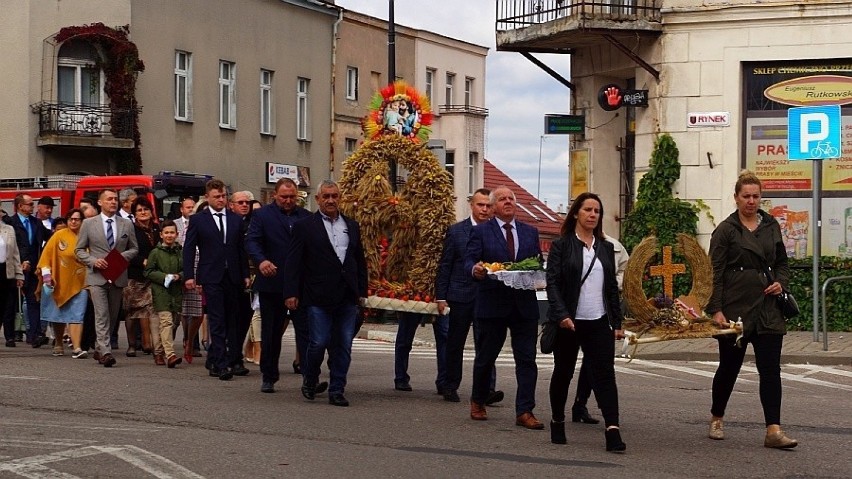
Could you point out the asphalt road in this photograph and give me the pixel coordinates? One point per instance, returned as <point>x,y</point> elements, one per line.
<point>65,418</point>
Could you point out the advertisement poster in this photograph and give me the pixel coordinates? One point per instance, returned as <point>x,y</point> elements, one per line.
<point>579,172</point>
<point>795,218</point>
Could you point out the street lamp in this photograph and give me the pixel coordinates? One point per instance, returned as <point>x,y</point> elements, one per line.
<point>538,189</point>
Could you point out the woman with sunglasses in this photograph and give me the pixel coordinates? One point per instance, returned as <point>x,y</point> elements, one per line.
<point>63,280</point>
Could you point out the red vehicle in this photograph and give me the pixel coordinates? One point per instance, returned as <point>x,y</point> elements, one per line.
<point>163,189</point>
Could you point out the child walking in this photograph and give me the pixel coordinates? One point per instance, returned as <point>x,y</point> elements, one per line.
<point>163,269</point>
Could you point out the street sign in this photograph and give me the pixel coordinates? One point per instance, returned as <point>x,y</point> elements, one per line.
<point>611,97</point>
<point>564,124</point>
<point>813,132</point>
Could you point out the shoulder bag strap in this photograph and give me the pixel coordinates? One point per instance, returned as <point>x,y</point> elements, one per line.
<point>591,265</point>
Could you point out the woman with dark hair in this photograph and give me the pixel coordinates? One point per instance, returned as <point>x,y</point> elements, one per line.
<point>137,300</point>
<point>582,290</point>
<point>749,269</point>
<point>63,281</point>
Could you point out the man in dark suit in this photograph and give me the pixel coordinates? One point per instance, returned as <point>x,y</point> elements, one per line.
<point>326,273</point>
<point>267,243</point>
<point>98,236</point>
<point>455,288</point>
<point>499,307</point>
<point>31,235</point>
<point>222,273</point>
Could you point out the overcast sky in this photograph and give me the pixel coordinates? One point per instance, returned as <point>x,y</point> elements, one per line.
<point>517,93</point>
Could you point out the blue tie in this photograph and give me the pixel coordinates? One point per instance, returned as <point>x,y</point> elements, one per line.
<point>29,229</point>
<point>110,236</point>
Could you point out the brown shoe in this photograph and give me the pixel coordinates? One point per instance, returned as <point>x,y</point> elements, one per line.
<point>779,440</point>
<point>173,361</point>
<point>97,356</point>
<point>107,360</point>
<point>477,412</point>
<point>529,421</point>
<point>159,360</point>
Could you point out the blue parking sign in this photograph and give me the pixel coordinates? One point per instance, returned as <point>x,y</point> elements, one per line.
<point>813,132</point>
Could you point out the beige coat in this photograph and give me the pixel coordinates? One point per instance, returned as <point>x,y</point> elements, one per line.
<point>13,257</point>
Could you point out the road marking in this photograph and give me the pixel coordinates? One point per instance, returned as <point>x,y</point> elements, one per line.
<point>33,467</point>
<point>28,378</point>
<point>50,425</point>
<point>682,369</point>
<point>40,444</point>
<point>806,380</point>
<point>813,369</point>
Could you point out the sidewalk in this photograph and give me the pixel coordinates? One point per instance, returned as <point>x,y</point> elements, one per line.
<point>799,346</point>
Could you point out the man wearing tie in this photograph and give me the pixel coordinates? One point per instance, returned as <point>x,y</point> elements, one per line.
<point>31,236</point>
<point>222,273</point>
<point>326,273</point>
<point>499,307</point>
<point>97,237</point>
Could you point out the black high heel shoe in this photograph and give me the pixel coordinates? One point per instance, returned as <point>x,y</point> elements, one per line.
<point>297,368</point>
<point>613,440</point>
<point>557,432</point>
<point>581,414</point>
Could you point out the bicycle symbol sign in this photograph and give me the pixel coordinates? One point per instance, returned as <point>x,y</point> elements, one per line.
<point>814,132</point>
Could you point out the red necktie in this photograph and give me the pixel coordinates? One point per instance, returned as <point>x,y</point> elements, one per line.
<point>510,241</point>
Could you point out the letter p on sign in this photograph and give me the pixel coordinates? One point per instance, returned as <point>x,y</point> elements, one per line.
<point>813,132</point>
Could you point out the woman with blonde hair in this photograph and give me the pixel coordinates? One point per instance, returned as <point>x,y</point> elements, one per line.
<point>749,271</point>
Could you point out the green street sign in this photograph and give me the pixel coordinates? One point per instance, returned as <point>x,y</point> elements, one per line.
<point>564,124</point>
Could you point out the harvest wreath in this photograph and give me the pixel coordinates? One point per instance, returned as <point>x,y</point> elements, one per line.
<point>403,231</point>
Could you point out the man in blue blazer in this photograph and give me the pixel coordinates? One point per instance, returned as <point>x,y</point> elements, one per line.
<point>326,273</point>
<point>455,288</point>
<point>222,272</point>
<point>267,243</point>
<point>499,307</point>
<point>31,235</point>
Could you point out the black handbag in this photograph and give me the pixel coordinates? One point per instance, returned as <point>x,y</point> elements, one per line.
<point>550,327</point>
<point>786,302</point>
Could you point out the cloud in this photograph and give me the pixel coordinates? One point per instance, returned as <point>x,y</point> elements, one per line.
<point>518,93</point>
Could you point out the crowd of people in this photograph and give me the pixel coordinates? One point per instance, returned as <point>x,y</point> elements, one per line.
<point>237,273</point>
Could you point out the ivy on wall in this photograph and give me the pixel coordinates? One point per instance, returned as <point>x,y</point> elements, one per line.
<point>838,297</point>
<point>121,67</point>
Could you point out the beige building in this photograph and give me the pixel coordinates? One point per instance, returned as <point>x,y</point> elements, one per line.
<point>227,88</point>
<point>715,72</point>
<point>450,72</point>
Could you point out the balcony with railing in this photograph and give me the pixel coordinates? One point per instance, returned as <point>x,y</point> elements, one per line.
<point>99,126</point>
<point>469,109</point>
<point>563,25</point>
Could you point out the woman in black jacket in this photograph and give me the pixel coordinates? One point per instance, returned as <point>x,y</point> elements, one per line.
<point>137,300</point>
<point>582,290</point>
<point>749,268</point>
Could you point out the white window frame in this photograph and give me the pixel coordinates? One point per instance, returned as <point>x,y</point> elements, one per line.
<point>430,84</point>
<point>302,117</point>
<point>450,163</point>
<point>349,146</point>
<point>472,160</point>
<point>227,95</point>
<point>79,65</point>
<point>448,89</point>
<point>352,83</point>
<point>468,91</point>
<point>267,104</point>
<point>183,92</point>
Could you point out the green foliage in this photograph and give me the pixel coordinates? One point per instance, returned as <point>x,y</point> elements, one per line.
<point>657,212</point>
<point>838,296</point>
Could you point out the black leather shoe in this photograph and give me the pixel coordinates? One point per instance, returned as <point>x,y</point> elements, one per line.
<point>613,441</point>
<point>267,387</point>
<point>40,341</point>
<point>494,397</point>
<point>297,368</point>
<point>581,414</point>
<point>557,432</point>
<point>402,386</point>
<point>338,400</point>
<point>321,387</point>
<point>10,344</point>
<point>239,370</point>
<point>226,375</point>
<point>310,392</point>
<point>213,372</point>
<point>450,395</point>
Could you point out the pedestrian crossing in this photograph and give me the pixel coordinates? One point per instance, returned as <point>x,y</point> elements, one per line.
<point>831,377</point>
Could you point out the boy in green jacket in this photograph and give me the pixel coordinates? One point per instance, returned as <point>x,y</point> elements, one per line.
<point>163,268</point>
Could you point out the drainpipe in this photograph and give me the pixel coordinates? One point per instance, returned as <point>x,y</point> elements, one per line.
<point>332,130</point>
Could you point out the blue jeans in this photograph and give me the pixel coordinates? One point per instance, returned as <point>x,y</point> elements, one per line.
<point>330,328</point>
<point>492,336</point>
<point>407,327</point>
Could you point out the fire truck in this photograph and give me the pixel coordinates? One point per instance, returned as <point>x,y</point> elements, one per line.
<point>164,189</point>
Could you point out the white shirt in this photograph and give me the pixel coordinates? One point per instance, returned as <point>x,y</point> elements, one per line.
<point>591,302</point>
<point>338,234</point>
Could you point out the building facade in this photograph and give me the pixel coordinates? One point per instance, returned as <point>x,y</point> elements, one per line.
<point>715,73</point>
<point>228,88</point>
<point>450,72</point>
